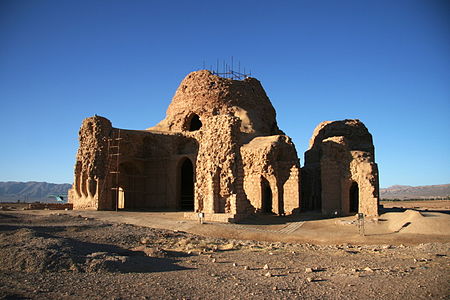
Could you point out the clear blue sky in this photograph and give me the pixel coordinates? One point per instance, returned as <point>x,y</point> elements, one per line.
<point>386,63</point>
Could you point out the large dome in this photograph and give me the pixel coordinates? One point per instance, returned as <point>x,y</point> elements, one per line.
<point>202,94</point>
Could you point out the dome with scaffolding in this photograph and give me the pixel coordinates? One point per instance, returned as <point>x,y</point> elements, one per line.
<point>203,94</point>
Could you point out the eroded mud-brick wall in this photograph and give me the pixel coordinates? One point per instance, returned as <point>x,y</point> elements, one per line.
<point>271,174</point>
<point>147,169</point>
<point>136,168</point>
<point>340,174</point>
<point>218,187</point>
<point>91,162</point>
<point>364,172</point>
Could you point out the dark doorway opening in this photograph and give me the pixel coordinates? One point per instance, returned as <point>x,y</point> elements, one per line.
<point>195,124</point>
<point>187,186</point>
<point>266,197</point>
<point>354,198</point>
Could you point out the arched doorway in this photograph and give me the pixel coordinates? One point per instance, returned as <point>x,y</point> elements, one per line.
<point>354,198</point>
<point>187,185</point>
<point>266,197</point>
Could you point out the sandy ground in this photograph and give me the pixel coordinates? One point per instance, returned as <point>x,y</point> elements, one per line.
<point>147,255</point>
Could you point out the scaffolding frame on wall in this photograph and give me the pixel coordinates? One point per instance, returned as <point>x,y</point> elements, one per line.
<point>113,165</point>
<point>115,158</point>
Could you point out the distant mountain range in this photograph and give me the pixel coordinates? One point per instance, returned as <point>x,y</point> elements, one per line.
<point>415,192</point>
<point>39,191</point>
<point>31,191</point>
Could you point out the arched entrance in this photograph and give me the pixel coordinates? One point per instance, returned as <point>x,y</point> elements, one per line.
<point>266,197</point>
<point>354,198</point>
<point>187,185</point>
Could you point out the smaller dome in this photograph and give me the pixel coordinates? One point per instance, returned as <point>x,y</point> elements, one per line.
<point>355,132</point>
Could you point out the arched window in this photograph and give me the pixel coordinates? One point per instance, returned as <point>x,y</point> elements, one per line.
<point>195,123</point>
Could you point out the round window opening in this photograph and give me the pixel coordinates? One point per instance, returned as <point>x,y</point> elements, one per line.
<point>195,123</point>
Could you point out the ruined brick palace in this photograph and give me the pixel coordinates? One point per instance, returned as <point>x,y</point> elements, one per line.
<point>219,151</point>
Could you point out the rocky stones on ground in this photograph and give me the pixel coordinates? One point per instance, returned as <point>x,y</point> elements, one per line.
<point>58,257</point>
<point>145,240</point>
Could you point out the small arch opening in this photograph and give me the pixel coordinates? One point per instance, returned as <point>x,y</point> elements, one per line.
<point>354,198</point>
<point>121,198</point>
<point>266,197</point>
<point>195,123</point>
<point>84,189</point>
<point>92,188</point>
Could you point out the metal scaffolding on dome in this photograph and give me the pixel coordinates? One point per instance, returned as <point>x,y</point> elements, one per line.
<point>225,70</point>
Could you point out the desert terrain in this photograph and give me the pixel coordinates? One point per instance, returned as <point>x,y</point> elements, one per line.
<point>405,253</point>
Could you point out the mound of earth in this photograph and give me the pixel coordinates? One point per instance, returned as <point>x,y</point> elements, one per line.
<point>415,222</point>
<point>25,250</point>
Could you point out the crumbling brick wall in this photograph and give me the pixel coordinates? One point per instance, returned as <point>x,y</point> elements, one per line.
<point>272,161</point>
<point>341,154</point>
<point>91,162</point>
<point>218,187</point>
<point>147,164</point>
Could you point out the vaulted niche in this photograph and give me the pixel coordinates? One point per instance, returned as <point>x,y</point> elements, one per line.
<point>195,123</point>
<point>266,196</point>
<point>354,198</point>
